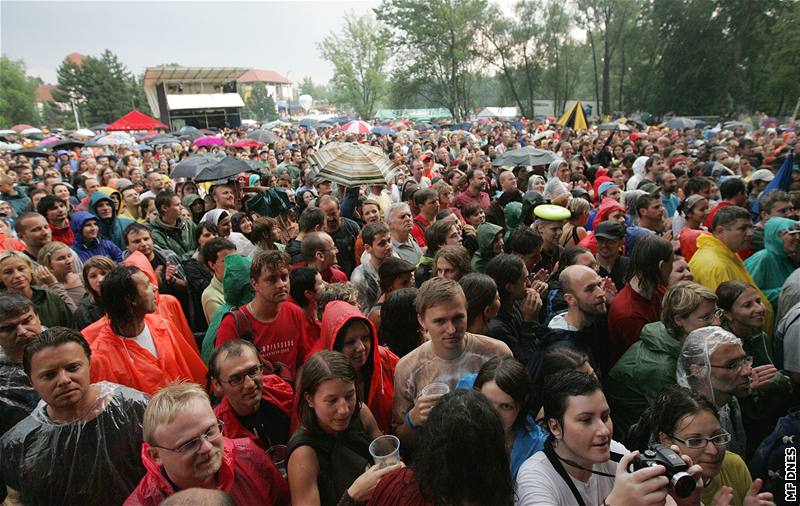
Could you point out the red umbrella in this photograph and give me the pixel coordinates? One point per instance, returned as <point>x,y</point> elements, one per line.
<point>357,127</point>
<point>247,143</point>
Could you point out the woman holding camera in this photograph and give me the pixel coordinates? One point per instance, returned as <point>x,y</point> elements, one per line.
<point>678,416</point>
<point>580,463</point>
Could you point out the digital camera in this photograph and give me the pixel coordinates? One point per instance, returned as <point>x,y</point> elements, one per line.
<point>676,469</point>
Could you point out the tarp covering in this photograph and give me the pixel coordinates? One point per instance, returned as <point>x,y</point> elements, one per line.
<point>136,120</point>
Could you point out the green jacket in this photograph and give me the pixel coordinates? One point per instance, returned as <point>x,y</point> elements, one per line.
<point>238,292</point>
<point>52,310</point>
<point>179,238</point>
<point>485,235</point>
<point>643,371</point>
<point>771,266</point>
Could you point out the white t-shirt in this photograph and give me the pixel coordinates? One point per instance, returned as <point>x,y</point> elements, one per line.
<point>145,340</point>
<point>538,483</point>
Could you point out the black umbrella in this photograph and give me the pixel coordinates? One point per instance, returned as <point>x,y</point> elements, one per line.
<point>264,136</point>
<point>614,127</point>
<point>226,168</point>
<point>190,166</point>
<point>527,156</point>
<point>66,144</point>
<point>160,139</point>
<point>99,126</point>
<point>32,153</point>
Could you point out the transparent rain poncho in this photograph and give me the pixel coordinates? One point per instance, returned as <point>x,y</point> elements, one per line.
<point>97,461</point>
<point>694,372</point>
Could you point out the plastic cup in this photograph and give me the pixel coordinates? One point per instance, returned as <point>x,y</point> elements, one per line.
<point>385,451</point>
<point>278,454</point>
<point>436,388</point>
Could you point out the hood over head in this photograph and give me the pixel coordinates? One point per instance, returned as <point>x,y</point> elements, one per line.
<point>214,215</point>
<point>98,197</point>
<point>772,241</point>
<point>607,206</point>
<point>236,280</point>
<point>80,219</point>
<point>485,235</point>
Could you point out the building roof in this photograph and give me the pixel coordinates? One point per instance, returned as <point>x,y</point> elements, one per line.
<point>186,75</point>
<point>44,93</point>
<point>204,101</point>
<point>75,58</point>
<point>262,76</point>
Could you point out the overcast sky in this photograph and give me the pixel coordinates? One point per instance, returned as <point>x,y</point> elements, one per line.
<point>280,36</point>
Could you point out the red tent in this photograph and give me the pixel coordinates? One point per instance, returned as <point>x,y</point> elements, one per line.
<point>136,120</point>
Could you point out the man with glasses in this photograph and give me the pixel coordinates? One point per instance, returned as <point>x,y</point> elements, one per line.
<point>713,363</point>
<point>185,448</point>
<point>81,444</point>
<point>255,403</point>
<point>716,259</point>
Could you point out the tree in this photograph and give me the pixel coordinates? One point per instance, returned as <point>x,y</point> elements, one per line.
<point>359,57</point>
<point>319,92</point>
<point>101,88</point>
<point>17,94</point>
<point>260,104</point>
<point>436,43</point>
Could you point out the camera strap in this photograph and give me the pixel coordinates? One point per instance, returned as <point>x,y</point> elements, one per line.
<point>556,461</point>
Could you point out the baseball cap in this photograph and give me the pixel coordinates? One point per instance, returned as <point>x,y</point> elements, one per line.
<point>610,230</point>
<point>762,175</point>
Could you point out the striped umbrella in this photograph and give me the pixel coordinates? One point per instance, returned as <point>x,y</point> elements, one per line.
<point>357,127</point>
<point>352,164</point>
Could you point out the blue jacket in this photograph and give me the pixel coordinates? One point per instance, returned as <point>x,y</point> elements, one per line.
<point>111,228</point>
<point>96,247</point>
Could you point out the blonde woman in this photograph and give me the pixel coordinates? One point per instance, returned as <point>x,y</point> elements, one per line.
<point>16,273</point>
<point>57,265</point>
<point>574,230</point>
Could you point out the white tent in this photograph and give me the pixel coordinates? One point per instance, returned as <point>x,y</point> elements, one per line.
<point>498,112</point>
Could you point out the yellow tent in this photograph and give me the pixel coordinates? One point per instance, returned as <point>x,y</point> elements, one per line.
<point>575,117</point>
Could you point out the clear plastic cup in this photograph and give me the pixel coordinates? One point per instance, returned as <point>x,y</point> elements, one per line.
<point>278,454</point>
<point>385,451</point>
<point>436,388</point>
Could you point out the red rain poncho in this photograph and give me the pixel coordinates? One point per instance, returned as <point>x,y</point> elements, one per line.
<point>275,391</point>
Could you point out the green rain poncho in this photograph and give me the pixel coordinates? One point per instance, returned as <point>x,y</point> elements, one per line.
<point>238,292</point>
<point>771,266</point>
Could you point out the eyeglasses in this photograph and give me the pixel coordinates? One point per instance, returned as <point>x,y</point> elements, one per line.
<point>720,440</point>
<point>716,315</point>
<point>211,434</point>
<point>736,365</point>
<point>251,373</point>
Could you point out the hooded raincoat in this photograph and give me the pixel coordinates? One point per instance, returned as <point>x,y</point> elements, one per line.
<point>381,362</point>
<point>237,293</point>
<point>643,371</point>
<point>771,266</point>
<point>246,474</point>
<point>485,234</point>
<point>110,228</point>
<point>81,462</point>
<point>714,263</point>
<point>243,245</point>
<point>607,207</point>
<point>95,247</point>
<point>178,238</point>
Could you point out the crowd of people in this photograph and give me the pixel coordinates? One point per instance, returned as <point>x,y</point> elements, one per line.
<point>524,331</point>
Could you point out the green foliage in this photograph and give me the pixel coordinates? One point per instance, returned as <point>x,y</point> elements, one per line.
<point>102,88</point>
<point>359,55</point>
<point>319,93</point>
<point>17,94</point>
<point>435,43</point>
<point>260,105</point>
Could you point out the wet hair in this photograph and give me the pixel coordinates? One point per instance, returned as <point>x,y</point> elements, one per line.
<point>645,258</point>
<point>321,367</point>
<point>523,241</point>
<point>421,196</point>
<point>13,304</point>
<point>400,328</point>
<point>696,184</point>
<point>96,262</point>
<point>311,244</point>
<point>202,227</point>
<point>462,429</point>
<point>512,378</point>
<point>263,227</point>
<point>19,224</point>
<point>456,255</point>
<point>144,204</point>
<point>164,198</point>
<point>117,291</point>
<point>666,410</point>
<point>731,187</point>
<point>371,230</point>
<point>560,386</point>
<point>232,348</point>
<point>135,227</point>
<point>48,203</point>
<point>769,200</point>
<point>273,261</point>
<point>50,338</point>
<point>471,210</point>
<point>336,291</point>
<point>48,250</point>
<point>729,215</point>
<point>438,290</point>
<point>310,218</point>
<point>561,358</point>
<point>680,300</point>
<point>436,235</point>
<point>729,291</point>
<point>211,249</point>
<point>300,280</point>
<point>505,269</point>
<point>480,291</point>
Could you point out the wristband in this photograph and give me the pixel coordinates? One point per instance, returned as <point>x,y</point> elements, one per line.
<point>408,420</point>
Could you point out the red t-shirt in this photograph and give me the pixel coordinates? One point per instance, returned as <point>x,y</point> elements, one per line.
<point>280,341</point>
<point>628,314</point>
<point>420,224</point>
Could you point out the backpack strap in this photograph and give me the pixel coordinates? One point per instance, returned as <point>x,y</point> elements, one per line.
<point>243,328</point>
<point>550,453</point>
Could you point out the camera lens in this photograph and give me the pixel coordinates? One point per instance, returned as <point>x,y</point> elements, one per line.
<point>683,484</point>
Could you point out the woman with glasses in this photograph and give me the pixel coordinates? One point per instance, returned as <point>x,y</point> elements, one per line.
<point>330,450</point>
<point>743,316</point>
<point>16,273</point>
<point>678,416</point>
<point>649,364</point>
